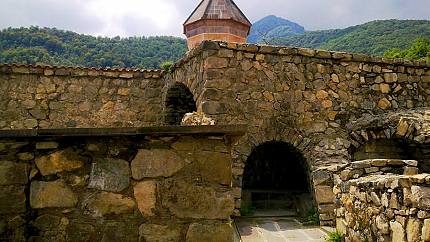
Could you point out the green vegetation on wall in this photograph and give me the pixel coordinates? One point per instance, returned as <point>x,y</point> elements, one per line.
<point>36,45</point>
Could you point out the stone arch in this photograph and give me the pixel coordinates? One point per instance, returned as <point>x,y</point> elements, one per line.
<point>178,101</point>
<point>397,139</point>
<point>276,176</point>
<point>243,148</point>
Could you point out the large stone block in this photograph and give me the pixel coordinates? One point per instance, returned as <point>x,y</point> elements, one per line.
<point>12,173</point>
<point>65,160</point>
<point>79,232</point>
<point>397,232</point>
<point>187,200</point>
<point>213,107</point>
<point>145,194</point>
<point>413,228</point>
<point>105,203</point>
<point>215,62</point>
<point>109,174</point>
<point>54,194</point>
<point>119,231</point>
<point>156,163</point>
<point>214,166</point>
<point>324,194</point>
<point>420,197</point>
<point>211,232</point>
<point>12,199</point>
<point>322,177</point>
<point>159,233</point>
<point>425,234</point>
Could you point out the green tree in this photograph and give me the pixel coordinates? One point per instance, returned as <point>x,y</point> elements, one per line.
<point>419,50</point>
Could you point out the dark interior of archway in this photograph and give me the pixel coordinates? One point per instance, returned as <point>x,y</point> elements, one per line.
<point>179,101</point>
<point>276,177</point>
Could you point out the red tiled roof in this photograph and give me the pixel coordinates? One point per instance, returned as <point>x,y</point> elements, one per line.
<point>218,9</point>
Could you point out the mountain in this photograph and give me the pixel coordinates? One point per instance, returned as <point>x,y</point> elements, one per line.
<point>51,46</point>
<point>271,27</point>
<point>373,38</point>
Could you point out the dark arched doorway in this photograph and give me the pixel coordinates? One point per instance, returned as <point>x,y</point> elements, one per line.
<point>276,181</point>
<point>179,101</point>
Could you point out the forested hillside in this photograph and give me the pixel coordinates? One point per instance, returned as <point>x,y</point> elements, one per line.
<point>419,50</point>
<point>373,38</point>
<point>57,47</point>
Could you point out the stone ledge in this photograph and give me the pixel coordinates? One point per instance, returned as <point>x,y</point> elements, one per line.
<point>122,73</point>
<point>231,130</point>
<point>307,52</point>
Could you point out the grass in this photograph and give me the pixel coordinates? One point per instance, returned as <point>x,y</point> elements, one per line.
<point>334,237</point>
<point>247,210</point>
<point>313,216</point>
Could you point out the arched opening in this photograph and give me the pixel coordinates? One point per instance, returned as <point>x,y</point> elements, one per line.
<point>276,182</point>
<point>383,149</point>
<point>179,101</point>
<point>394,149</point>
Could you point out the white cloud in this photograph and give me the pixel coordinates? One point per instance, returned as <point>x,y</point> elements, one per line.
<point>165,17</point>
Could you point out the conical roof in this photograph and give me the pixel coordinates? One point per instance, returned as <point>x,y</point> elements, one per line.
<point>217,9</point>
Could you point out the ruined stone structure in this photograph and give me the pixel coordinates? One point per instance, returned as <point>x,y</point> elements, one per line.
<point>91,154</point>
<point>322,112</point>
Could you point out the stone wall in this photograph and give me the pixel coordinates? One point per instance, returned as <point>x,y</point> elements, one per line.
<point>55,97</point>
<point>151,184</point>
<point>325,104</point>
<point>384,208</point>
<point>314,100</point>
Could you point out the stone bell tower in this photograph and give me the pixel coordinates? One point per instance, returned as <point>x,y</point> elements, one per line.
<point>216,20</point>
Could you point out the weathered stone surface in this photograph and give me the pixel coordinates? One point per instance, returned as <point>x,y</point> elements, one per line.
<point>119,231</point>
<point>214,166</point>
<point>213,107</point>
<point>155,163</point>
<point>26,156</point>
<point>159,233</point>
<point>413,230</point>
<point>104,204</point>
<point>48,145</point>
<point>109,174</point>
<point>146,197</point>
<point>384,103</point>
<point>196,118</point>
<point>324,194</point>
<point>390,77</point>
<point>12,173</point>
<point>402,128</point>
<point>425,233</point>
<point>54,194</point>
<point>411,171</point>
<point>60,161</point>
<point>216,62</point>
<point>187,200</point>
<point>79,232</point>
<point>382,225</point>
<point>12,199</point>
<point>398,233</point>
<point>420,197</point>
<point>322,177</point>
<point>211,232</point>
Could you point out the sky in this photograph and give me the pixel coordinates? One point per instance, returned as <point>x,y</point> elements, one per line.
<point>165,17</point>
